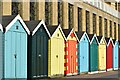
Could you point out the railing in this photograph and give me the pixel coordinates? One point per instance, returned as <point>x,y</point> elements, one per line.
<point>99,4</point>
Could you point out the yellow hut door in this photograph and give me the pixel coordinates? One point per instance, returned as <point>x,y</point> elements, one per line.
<point>104,57</point>
<point>56,59</point>
<point>61,56</point>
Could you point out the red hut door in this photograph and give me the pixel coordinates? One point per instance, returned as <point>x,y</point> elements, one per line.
<point>72,56</point>
<point>109,56</point>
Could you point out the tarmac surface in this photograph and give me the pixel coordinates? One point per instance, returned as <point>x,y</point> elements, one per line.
<point>110,74</point>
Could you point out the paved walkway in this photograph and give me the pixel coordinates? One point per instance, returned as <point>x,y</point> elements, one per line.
<point>110,74</point>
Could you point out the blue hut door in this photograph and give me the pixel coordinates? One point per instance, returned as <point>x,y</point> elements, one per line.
<point>20,55</point>
<point>115,56</point>
<point>15,52</point>
<point>86,48</point>
<point>84,55</point>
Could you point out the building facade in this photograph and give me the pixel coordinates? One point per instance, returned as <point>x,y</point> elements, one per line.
<point>95,16</point>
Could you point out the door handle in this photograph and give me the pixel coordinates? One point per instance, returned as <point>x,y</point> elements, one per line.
<point>15,55</point>
<point>57,56</point>
<point>39,55</point>
<point>83,57</point>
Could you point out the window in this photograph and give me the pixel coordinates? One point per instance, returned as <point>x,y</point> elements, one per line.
<point>119,6</point>
<point>116,5</point>
<point>100,25</point>
<point>15,8</point>
<point>110,28</point>
<point>114,30</point>
<point>79,19</point>
<point>87,21</point>
<point>105,27</point>
<point>94,23</point>
<point>109,3</point>
<point>16,27</point>
<point>60,12</point>
<point>33,9</point>
<point>70,6</point>
<point>48,12</point>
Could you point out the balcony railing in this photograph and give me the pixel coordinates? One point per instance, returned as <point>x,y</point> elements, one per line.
<point>99,4</point>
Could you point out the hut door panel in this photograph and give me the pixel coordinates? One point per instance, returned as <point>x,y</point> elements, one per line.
<point>34,57</point>
<point>116,57</point>
<point>10,55</point>
<point>72,56</point>
<point>94,57</point>
<point>119,56</point>
<point>101,62</point>
<point>85,56</point>
<point>60,55</point>
<point>82,52</point>
<point>21,55</point>
<point>104,57</point>
<point>18,55</point>
<point>55,56</point>
<point>17,66</point>
<point>109,56</point>
<point>13,54</point>
<point>43,55</point>
<point>114,60</point>
<point>38,55</point>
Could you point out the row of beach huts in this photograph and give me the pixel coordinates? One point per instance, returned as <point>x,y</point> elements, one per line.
<point>30,49</point>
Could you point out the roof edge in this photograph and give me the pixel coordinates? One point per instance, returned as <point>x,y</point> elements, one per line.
<point>14,20</point>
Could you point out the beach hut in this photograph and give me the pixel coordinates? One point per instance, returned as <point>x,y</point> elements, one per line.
<point>115,54</point>
<point>119,54</point>
<point>71,53</point>
<point>93,54</point>
<point>83,52</point>
<point>56,51</point>
<point>109,54</point>
<point>1,51</point>
<point>101,54</point>
<point>15,50</point>
<point>38,49</point>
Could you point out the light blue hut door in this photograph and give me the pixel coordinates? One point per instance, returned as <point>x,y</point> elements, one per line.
<point>84,55</point>
<point>15,52</point>
<point>13,56</point>
<point>19,55</point>
<point>115,56</point>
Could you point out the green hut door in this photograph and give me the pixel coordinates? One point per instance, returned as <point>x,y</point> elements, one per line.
<point>94,56</point>
<point>41,56</point>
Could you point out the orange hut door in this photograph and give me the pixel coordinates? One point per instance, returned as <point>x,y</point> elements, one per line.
<point>72,56</point>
